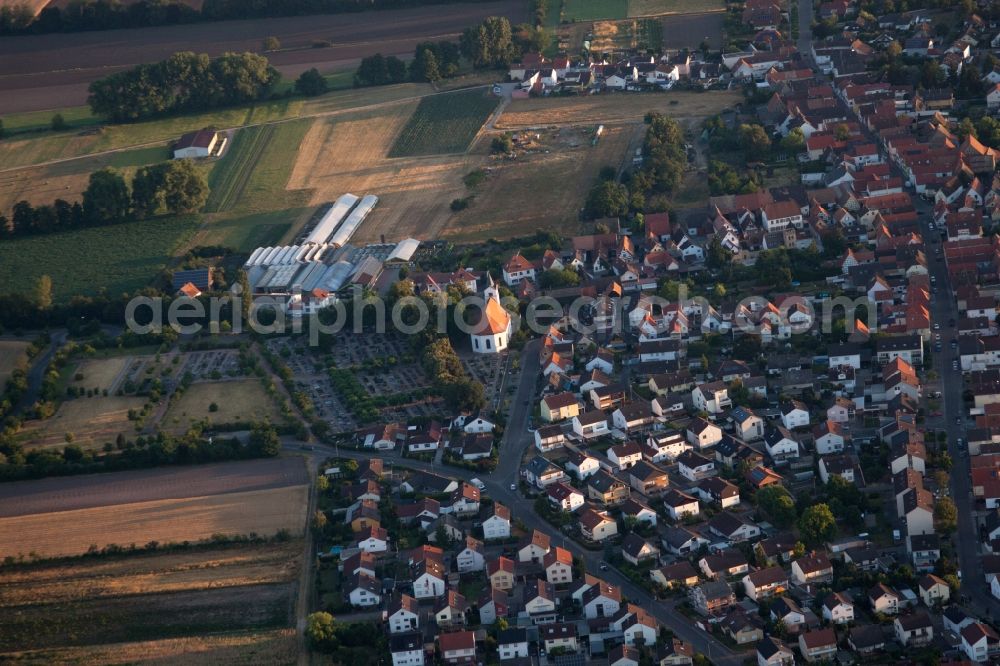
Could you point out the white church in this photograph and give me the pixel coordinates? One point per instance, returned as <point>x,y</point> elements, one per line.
<point>491,334</point>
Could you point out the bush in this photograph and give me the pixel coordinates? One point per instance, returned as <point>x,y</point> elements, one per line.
<point>459,204</point>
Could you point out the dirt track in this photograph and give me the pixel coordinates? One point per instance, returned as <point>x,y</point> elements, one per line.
<point>23,498</point>
<point>40,72</point>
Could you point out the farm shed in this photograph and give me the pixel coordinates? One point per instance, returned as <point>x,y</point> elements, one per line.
<point>202,143</point>
<point>403,252</point>
<point>199,277</point>
<point>332,219</point>
<point>353,221</point>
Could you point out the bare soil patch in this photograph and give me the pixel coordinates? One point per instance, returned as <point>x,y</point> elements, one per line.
<point>193,518</point>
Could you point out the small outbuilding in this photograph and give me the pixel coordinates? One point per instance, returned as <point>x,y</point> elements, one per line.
<point>203,143</point>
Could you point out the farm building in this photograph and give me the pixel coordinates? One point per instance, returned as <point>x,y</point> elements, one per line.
<point>353,221</point>
<point>332,219</point>
<point>201,278</point>
<point>403,252</point>
<point>202,143</point>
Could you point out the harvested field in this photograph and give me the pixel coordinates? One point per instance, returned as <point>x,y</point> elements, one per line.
<point>102,374</point>
<point>92,422</point>
<point>238,401</point>
<point>690,109</point>
<point>263,648</point>
<point>22,498</point>
<point>33,6</point>
<point>182,571</point>
<point>13,355</point>
<point>50,71</point>
<point>172,520</point>
<point>414,192</point>
<point>657,7</point>
<point>143,617</point>
<point>562,163</point>
<point>444,123</point>
<point>120,258</point>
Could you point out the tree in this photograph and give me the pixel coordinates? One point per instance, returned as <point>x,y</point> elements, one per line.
<point>372,71</point>
<point>555,279</point>
<point>425,66</point>
<point>264,440</point>
<point>502,144</point>
<point>106,199</point>
<point>396,69</point>
<point>321,631</point>
<point>775,501</point>
<point>795,142</point>
<point>893,50</point>
<point>58,122</point>
<point>184,187</point>
<point>716,255</point>
<point>43,292</point>
<point>932,75</point>
<point>311,83</point>
<point>842,132</point>
<point>817,524</point>
<point>271,44</point>
<point>2,132</point>
<point>147,195</point>
<point>489,44</point>
<point>755,141</point>
<point>945,515</point>
<point>23,218</point>
<point>606,199</point>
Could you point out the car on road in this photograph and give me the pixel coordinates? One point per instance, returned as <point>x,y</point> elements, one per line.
<point>937,347</point>
<point>478,484</point>
<point>513,487</point>
<point>958,420</point>
<point>604,566</point>
<point>937,327</point>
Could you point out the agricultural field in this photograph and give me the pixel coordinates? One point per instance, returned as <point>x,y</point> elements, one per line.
<point>231,174</point>
<point>163,600</point>
<point>688,108</point>
<point>562,163</point>
<point>594,10</point>
<point>658,7</point>
<point>74,531</point>
<point>67,180</point>
<point>690,30</point>
<point>238,401</point>
<point>444,123</point>
<point>13,355</point>
<point>119,258</point>
<point>250,648</point>
<point>92,422</point>
<point>414,192</point>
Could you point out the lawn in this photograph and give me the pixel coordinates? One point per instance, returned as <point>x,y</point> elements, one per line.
<point>238,401</point>
<point>119,258</point>
<point>444,124</point>
<point>595,10</point>
<point>656,7</point>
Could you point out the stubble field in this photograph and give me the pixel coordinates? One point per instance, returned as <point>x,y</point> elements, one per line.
<point>349,153</point>
<point>92,422</point>
<point>172,520</point>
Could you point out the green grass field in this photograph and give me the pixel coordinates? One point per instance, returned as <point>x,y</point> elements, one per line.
<point>444,124</point>
<point>595,10</point>
<point>232,173</point>
<point>118,258</point>
<point>655,7</point>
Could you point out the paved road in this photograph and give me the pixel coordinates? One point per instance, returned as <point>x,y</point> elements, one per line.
<point>21,498</point>
<point>515,442</point>
<point>40,72</point>
<point>804,43</point>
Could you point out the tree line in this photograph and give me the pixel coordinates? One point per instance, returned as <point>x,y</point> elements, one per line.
<point>183,82</point>
<point>174,187</point>
<point>85,15</point>
<point>493,43</point>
